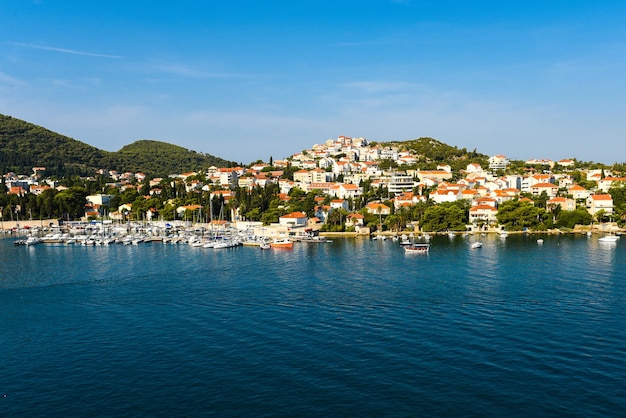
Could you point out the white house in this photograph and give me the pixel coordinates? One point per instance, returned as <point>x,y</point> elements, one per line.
<point>498,162</point>
<point>293,219</point>
<point>579,192</point>
<point>483,213</point>
<point>598,202</point>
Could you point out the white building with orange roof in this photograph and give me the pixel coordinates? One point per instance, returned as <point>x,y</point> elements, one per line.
<point>436,175</point>
<point>504,195</point>
<point>339,204</point>
<point>476,179</point>
<point>498,162</point>
<point>578,192</point>
<point>483,213</point>
<point>563,202</point>
<point>608,182</point>
<point>491,186</point>
<point>258,166</point>
<point>346,191</point>
<point>187,174</point>
<point>474,168</point>
<point>378,208</point>
<point>597,174</point>
<point>566,163</point>
<point>228,177</point>
<point>281,163</point>
<point>488,201</point>
<point>564,180</point>
<point>193,185</point>
<point>550,189</point>
<point>408,198</point>
<point>598,202</point>
<point>308,164</point>
<point>467,182</point>
<point>443,195</point>
<point>341,167</point>
<point>536,162</point>
<point>469,194</point>
<point>370,154</point>
<point>37,190</point>
<point>17,190</point>
<point>406,160</point>
<point>530,181</point>
<point>326,187</point>
<point>293,219</point>
<point>482,191</point>
<point>302,176</point>
<point>286,185</point>
<point>355,219</point>
<point>370,167</point>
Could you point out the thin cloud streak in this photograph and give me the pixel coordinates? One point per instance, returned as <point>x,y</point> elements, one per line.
<point>65,51</point>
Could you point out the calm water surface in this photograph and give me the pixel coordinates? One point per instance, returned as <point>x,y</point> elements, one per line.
<point>348,328</point>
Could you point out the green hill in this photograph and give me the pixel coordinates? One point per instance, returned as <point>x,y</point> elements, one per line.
<point>161,158</point>
<point>432,151</point>
<point>24,145</point>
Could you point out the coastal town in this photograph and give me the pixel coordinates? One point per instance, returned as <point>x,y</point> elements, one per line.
<point>343,186</point>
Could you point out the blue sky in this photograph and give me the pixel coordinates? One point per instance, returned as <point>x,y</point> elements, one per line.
<point>246,80</point>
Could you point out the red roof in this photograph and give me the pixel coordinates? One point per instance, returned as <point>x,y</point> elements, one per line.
<point>297,215</point>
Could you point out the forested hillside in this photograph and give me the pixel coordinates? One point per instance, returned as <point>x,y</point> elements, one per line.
<point>24,145</point>
<point>432,151</point>
<point>161,158</point>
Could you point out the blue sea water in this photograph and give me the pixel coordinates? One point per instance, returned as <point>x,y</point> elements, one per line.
<point>349,328</point>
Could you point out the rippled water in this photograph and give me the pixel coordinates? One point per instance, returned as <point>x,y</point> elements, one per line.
<point>349,328</point>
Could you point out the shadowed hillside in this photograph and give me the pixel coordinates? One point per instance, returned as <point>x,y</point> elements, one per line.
<point>24,145</point>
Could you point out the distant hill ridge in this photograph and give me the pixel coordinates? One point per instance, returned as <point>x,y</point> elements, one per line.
<point>24,145</point>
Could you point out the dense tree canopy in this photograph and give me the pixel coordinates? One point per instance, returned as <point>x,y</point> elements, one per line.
<point>516,215</point>
<point>24,146</point>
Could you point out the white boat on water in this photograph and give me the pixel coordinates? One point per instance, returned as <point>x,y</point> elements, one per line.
<point>226,243</point>
<point>477,244</point>
<point>609,238</point>
<point>417,248</point>
<point>540,241</point>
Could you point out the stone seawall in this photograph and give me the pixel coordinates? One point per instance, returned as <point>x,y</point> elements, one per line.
<point>28,224</point>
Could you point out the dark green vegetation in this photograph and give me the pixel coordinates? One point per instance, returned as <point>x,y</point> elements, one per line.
<point>431,152</point>
<point>24,146</point>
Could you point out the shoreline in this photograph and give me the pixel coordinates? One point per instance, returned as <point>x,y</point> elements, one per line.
<point>576,231</point>
<point>26,226</point>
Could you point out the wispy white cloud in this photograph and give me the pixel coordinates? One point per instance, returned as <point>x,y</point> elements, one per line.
<point>7,79</point>
<point>377,86</point>
<point>65,50</point>
<point>189,71</point>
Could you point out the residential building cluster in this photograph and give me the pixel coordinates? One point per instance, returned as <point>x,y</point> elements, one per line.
<point>339,167</point>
